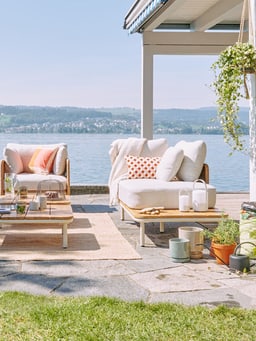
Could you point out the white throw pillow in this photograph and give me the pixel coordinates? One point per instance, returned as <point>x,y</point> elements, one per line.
<point>59,165</point>
<point>194,157</point>
<point>169,164</point>
<point>13,159</point>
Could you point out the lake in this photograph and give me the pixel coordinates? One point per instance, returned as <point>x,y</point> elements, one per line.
<point>90,163</point>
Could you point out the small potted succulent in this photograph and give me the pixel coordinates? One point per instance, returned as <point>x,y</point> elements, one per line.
<point>230,71</point>
<point>224,239</point>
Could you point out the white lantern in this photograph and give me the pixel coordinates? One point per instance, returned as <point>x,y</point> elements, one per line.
<point>200,196</point>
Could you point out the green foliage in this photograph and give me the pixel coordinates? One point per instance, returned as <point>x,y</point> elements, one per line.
<point>27,317</point>
<point>230,77</point>
<point>226,232</point>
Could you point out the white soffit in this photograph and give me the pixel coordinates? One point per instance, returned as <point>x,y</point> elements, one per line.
<point>193,15</point>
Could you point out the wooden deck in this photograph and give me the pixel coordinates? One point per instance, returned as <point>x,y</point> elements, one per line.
<point>231,203</point>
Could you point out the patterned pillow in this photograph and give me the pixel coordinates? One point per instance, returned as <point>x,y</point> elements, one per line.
<point>142,167</point>
<point>42,160</point>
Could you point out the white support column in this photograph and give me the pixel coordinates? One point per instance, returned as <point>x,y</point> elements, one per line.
<point>252,113</point>
<point>147,93</point>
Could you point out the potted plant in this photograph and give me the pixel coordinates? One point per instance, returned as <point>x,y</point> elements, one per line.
<point>230,70</point>
<point>224,239</point>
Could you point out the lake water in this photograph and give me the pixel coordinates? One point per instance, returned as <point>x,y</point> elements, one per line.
<point>90,163</point>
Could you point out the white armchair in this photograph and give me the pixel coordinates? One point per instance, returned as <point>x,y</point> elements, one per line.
<point>33,164</point>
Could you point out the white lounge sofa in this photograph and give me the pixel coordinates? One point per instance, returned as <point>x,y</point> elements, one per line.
<point>34,164</point>
<point>176,168</point>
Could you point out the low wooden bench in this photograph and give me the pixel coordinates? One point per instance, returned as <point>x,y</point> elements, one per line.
<point>168,216</point>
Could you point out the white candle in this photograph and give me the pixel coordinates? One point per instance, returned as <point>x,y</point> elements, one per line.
<point>184,202</point>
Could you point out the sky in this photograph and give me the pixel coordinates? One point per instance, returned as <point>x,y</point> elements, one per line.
<point>76,53</point>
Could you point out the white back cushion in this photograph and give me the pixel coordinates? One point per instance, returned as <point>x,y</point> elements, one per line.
<point>13,160</point>
<point>59,164</point>
<point>169,164</point>
<point>194,157</point>
<point>154,148</point>
<point>26,152</point>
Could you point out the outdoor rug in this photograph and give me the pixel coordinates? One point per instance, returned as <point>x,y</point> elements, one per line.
<point>91,236</point>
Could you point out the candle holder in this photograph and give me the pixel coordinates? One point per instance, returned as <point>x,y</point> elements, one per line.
<point>184,200</point>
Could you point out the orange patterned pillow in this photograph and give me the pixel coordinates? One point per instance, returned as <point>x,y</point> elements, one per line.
<point>42,160</point>
<point>142,167</point>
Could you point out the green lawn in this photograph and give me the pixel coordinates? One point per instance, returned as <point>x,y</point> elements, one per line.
<point>28,317</point>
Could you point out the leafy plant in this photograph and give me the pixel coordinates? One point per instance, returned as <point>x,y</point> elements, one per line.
<point>226,232</point>
<point>230,71</point>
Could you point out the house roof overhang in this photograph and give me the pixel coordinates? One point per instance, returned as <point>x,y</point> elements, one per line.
<point>208,25</point>
<point>192,15</point>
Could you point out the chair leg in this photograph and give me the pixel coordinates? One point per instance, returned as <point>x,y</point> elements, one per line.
<point>122,213</point>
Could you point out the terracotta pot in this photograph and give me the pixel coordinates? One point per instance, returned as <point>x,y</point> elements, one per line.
<point>222,252</point>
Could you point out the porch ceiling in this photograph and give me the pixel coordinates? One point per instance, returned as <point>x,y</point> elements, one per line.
<point>186,26</point>
<point>192,15</point>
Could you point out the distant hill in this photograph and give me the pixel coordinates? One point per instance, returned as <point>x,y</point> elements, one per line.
<point>203,115</point>
<point>46,119</point>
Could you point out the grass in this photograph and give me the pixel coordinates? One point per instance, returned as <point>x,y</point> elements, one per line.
<point>27,317</point>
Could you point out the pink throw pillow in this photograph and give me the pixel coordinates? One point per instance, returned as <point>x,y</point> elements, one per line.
<point>42,160</point>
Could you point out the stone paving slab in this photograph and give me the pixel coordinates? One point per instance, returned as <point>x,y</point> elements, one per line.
<point>78,268</point>
<point>209,298</point>
<point>178,279</point>
<point>110,286</point>
<point>30,283</point>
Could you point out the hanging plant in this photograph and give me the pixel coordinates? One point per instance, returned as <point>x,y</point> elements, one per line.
<point>230,86</point>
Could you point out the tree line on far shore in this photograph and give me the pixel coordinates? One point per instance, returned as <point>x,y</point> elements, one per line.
<point>37,119</point>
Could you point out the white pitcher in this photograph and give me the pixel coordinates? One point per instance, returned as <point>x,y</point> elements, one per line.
<point>200,196</point>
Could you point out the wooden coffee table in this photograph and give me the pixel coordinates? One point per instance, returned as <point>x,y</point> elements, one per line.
<point>168,216</point>
<point>59,213</point>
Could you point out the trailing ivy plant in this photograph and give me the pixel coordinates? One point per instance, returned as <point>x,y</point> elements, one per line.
<point>230,87</point>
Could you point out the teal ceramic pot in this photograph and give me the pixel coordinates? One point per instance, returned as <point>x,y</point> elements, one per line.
<point>179,250</point>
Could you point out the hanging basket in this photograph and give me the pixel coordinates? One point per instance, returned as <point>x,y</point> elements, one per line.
<point>230,70</point>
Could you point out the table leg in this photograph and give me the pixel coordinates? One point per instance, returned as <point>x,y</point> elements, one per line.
<point>65,236</point>
<point>161,227</point>
<point>142,233</point>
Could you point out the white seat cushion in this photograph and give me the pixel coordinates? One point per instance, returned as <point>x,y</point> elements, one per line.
<point>31,180</point>
<point>142,193</point>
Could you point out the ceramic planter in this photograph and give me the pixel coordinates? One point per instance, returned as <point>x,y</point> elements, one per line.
<point>179,250</point>
<point>196,238</point>
<point>222,252</point>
